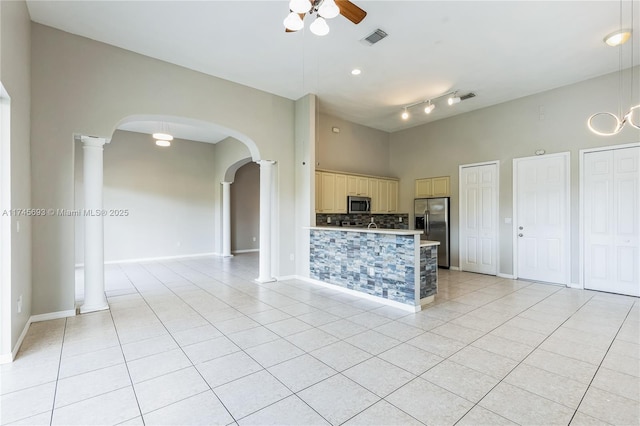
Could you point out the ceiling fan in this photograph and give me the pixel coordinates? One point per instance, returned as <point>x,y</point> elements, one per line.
<point>324,9</point>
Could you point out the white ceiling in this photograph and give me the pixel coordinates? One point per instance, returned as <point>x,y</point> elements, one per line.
<point>501,50</point>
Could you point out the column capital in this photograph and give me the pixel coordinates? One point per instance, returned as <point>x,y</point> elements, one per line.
<point>93,140</point>
<point>224,182</point>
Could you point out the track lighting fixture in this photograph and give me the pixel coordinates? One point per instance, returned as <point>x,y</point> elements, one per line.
<point>453,99</point>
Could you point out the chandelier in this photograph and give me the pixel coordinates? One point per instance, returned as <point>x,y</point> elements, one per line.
<point>324,9</point>
<point>617,39</point>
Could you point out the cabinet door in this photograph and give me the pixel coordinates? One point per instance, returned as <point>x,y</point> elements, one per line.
<point>352,185</point>
<point>340,194</point>
<point>363,186</point>
<point>373,193</point>
<point>393,196</point>
<point>383,196</point>
<point>318,192</point>
<point>424,188</point>
<point>441,186</point>
<point>328,199</point>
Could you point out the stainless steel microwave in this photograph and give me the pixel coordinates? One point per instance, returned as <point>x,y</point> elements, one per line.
<point>358,204</point>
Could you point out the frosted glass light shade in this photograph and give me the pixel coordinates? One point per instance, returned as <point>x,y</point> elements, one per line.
<point>319,27</point>
<point>329,9</point>
<point>163,143</point>
<point>299,6</point>
<point>293,22</point>
<point>163,136</point>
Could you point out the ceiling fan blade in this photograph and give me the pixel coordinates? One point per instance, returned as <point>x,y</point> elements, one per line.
<point>351,11</point>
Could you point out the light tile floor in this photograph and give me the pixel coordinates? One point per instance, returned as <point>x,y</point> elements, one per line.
<point>198,342</point>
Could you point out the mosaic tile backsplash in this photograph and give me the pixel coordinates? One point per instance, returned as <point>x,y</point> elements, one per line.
<point>343,258</point>
<point>385,221</point>
<point>428,271</point>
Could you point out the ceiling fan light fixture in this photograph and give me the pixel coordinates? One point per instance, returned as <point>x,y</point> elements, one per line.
<point>163,136</point>
<point>163,143</point>
<point>299,6</point>
<point>618,38</point>
<point>329,9</point>
<point>319,27</point>
<point>293,22</point>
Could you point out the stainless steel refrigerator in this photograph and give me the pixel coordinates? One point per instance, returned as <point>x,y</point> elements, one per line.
<point>432,216</point>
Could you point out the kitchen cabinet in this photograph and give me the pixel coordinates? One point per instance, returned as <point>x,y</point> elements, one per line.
<point>433,187</point>
<point>333,188</point>
<point>331,192</point>
<point>384,195</point>
<point>358,185</point>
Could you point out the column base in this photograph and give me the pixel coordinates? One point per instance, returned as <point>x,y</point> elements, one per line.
<point>227,255</point>
<point>265,280</point>
<point>84,309</point>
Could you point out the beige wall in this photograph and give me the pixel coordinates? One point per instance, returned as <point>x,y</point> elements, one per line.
<point>15,74</point>
<point>82,86</point>
<point>504,132</point>
<point>356,149</point>
<point>245,208</point>
<point>168,194</point>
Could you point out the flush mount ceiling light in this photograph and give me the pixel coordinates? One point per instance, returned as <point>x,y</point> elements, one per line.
<point>324,9</point>
<point>607,123</point>
<point>163,143</point>
<point>453,98</point>
<point>356,71</point>
<point>617,38</point>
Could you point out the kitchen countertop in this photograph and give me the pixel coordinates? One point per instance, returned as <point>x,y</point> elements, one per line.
<point>427,243</point>
<point>371,230</point>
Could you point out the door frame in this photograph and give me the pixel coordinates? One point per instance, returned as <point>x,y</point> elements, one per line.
<point>497,207</point>
<point>581,241</point>
<point>567,213</point>
<point>7,352</point>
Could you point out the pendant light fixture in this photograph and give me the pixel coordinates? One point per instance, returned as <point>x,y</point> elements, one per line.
<point>617,122</point>
<point>163,138</point>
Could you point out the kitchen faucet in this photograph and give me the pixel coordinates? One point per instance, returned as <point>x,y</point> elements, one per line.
<point>372,224</point>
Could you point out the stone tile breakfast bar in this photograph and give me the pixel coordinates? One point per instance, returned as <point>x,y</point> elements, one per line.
<point>392,266</point>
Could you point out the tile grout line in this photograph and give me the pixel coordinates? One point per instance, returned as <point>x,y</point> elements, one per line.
<point>55,392</point>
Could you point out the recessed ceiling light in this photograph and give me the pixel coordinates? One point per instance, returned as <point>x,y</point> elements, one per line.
<point>617,38</point>
<point>356,71</point>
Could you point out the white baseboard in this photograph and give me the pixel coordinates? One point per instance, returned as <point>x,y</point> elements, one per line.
<point>290,277</point>
<point>454,268</point>
<point>7,358</point>
<point>246,251</point>
<point>153,259</point>
<point>575,285</point>
<point>53,315</point>
<point>508,276</point>
<point>382,301</point>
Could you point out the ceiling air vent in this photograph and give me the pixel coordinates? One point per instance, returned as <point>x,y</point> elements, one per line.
<point>374,37</point>
<point>467,96</point>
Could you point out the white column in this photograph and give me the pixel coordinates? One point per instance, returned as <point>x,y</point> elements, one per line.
<point>226,219</point>
<point>266,171</point>
<point>94,297</point>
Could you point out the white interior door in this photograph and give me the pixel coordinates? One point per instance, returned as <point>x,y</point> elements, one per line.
<point>479,218</point>
<point>542,218</point>
<point>611,220</point>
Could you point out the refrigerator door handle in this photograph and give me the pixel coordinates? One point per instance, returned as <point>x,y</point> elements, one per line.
<point>427,226</point>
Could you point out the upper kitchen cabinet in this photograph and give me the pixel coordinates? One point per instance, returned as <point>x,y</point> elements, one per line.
<point>331,192</point>
<point>432,187</point>
<point>385,198</point>
<point>358,185</point>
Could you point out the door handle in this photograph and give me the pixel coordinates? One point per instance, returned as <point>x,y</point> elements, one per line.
<point>520,235</point>
<point>520,228</point>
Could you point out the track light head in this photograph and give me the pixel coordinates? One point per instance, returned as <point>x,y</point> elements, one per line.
<point>405,114</point>
<point>429,108</point>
